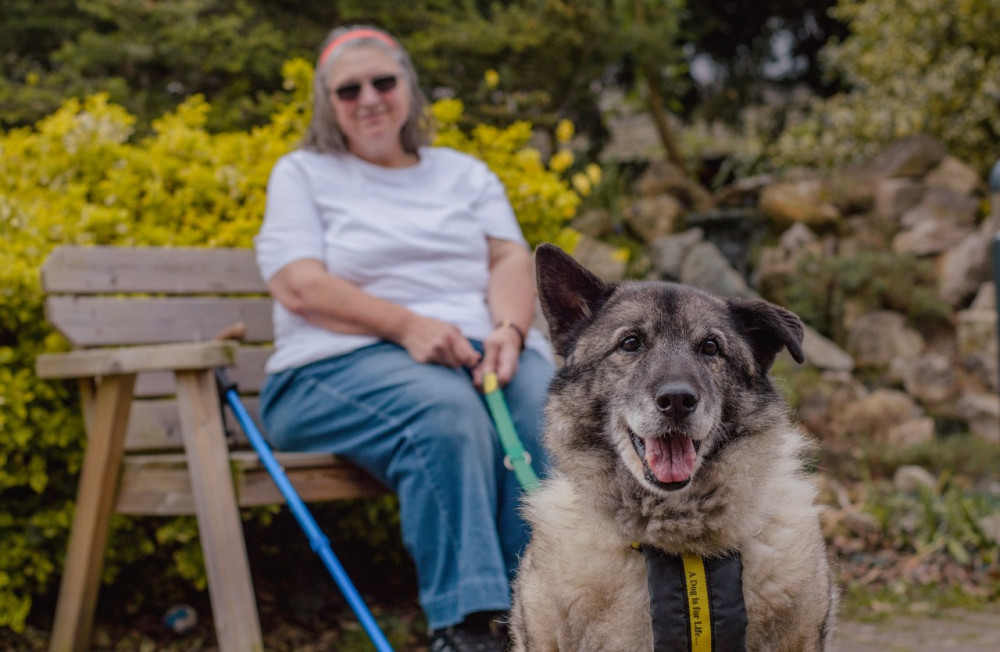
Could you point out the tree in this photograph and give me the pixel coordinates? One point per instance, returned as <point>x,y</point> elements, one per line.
<point>758,46</point>
<point>149,56</point>
<point>912,68</point>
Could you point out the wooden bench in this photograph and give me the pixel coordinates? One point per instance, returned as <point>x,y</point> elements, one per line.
<point>148,326</point>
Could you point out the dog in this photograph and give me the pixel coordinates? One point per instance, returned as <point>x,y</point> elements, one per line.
<point>666,433</point>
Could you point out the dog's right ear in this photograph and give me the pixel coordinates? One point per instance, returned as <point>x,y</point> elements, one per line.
<point>569,293</point>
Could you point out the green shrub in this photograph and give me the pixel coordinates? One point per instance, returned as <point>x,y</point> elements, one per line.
<point>912,69</point>
<point>821,289</point>
<point>78,177</point>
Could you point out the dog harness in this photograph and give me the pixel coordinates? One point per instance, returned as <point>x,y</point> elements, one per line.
<point>696,604</point>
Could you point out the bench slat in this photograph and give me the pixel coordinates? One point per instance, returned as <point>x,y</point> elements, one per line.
<point>247,373</point>
<point>130,360</point>
<point>155,424</point>
<point>112,321</point>
<point>181,270</point>
<point>160,484</point>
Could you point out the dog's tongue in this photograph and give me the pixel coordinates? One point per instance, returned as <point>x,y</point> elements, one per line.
<point>670,459</point>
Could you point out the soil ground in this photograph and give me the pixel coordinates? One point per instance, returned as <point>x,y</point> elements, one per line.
<point>953,629</point>
<point>964,630</point>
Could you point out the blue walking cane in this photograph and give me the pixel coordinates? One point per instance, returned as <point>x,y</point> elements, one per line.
<point>317,540</point>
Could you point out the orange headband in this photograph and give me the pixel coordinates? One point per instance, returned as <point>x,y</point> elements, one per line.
<point>353,34</point>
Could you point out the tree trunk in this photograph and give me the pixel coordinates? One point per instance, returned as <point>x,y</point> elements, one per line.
<point>654,102</point>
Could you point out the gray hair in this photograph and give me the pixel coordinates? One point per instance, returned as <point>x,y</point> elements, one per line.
<point>324,134</point>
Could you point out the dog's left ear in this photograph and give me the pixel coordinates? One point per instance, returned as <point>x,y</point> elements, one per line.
<point>569,293</point>
<point>768,328</point>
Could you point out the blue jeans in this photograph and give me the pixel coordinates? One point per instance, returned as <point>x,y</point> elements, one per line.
<point>426,433</point>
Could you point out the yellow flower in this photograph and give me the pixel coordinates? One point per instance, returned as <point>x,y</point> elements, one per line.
<point>564,131</point>
<point>621,255</point>
<point>582,183</point>
<point>448,111</point>
<point>561,160</point>
<point>593,171</point>
<point>492,78</point>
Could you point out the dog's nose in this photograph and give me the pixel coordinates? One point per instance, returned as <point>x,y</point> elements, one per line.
<point>677,400</point>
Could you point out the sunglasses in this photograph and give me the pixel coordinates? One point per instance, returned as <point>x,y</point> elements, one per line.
<point>351,91</point>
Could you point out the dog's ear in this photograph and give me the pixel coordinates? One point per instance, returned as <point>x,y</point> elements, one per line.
<point>568,292</point>
<point>768,328</point>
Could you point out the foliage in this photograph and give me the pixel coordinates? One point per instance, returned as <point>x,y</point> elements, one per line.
<point>823,289</point>
<point>82,176</point>
<point>150,56</point>
<point>755,50</point>
<point>912,69</point>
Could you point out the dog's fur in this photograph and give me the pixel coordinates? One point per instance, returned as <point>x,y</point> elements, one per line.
<point>655,367</point>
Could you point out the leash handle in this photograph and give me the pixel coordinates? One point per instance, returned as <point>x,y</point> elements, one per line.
<point>516,458</point>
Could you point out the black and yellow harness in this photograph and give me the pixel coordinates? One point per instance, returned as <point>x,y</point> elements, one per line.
<point>696,604</point>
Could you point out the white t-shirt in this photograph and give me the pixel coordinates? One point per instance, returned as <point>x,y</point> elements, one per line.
<point>415,236</point>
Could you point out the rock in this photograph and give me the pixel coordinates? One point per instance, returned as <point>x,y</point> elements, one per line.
<point>990,525</point>
<point>595,223</point>
<point>913,478</point>
<point>954,175</point>
<point>876,338</point>
<point>964,268</point>
<point>895,196</point>
<point>929,378</point>
<point>798,201</point>
<point>651,217</point>
<point>707,268</point>
<point>823,353</point>
<point>912,432</point>
<point>743,192</point>
<point>912,157</point>
<point>942,205</point>
<point>600,258</point>
<point>820,403</point>
<point>940,221</point>
<point>875,415</point>
<point>853,187</point>
<point>986,297</point>
<point>982,413</point>
<point>668,252</point>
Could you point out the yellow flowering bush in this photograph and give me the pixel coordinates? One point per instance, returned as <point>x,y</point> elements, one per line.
<point>79,177</point>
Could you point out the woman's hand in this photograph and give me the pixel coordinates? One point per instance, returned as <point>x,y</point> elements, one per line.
<point>433,341</point>
<point>501,352</point>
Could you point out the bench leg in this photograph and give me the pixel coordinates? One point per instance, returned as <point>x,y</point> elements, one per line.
<point>95,499</point>
<point>234,606</point>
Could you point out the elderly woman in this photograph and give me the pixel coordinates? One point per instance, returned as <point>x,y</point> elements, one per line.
<point>401,277</point>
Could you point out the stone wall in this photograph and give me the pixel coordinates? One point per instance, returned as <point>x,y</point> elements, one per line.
<point>888,378</point>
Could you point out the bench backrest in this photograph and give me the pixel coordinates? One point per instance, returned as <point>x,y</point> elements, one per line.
<point>123,296</point>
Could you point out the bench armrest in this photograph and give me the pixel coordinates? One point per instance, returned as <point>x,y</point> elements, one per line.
<point>135,359</point>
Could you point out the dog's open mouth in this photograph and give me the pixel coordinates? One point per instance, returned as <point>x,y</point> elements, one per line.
<point>668,461</point>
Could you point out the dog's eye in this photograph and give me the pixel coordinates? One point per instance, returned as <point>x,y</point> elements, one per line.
<point>710,348</point>
<point>630,344</point>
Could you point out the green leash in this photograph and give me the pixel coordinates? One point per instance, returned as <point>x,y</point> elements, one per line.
<point>516,459</point>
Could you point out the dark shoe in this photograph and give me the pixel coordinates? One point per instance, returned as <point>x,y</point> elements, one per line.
<point>475,634</point>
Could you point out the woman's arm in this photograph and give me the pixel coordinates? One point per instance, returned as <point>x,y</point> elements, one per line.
<point>305,288</point>
<point>511,299</point>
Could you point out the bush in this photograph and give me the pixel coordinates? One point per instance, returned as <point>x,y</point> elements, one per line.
<point>820,290</point>
<point>913,68</point>
<point>77,177</point>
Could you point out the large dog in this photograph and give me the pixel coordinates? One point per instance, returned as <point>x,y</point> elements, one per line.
<point>665,430</point>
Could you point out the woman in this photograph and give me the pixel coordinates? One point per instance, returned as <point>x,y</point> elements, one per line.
<point>401,277</point>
